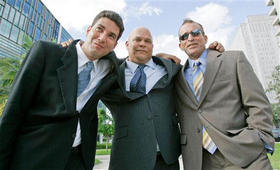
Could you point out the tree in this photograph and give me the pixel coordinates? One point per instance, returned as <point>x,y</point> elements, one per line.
<point>105,126</point>
<point>8,69</point>
<point>274,87</point>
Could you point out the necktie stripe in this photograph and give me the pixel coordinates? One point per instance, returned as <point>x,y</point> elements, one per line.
<point>198,79</point>
<point>84,77</point>
<point>138,82</point>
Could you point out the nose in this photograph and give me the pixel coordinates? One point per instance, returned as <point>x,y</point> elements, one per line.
<point>190,37</point>
<point>142,43</point>
<point>102,37</point>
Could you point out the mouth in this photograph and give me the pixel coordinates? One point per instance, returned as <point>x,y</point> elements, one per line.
<point>98,45</point>
<point>192,45</point>
<point>141,51</point>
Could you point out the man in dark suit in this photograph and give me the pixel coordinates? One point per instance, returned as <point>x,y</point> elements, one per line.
<point>50,119</point>
<point>146,128</point>
<point>224,114</point>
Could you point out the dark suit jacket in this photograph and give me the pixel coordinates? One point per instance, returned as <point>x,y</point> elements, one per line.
<point>39,122</point>
<point>233,108</point>
<point>143,119</point>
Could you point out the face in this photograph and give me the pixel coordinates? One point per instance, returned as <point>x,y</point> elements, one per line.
<point>101,38</point>
<point>194,45</point>
<point>140,46</point>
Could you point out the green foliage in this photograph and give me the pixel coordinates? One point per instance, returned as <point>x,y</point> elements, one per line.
<point>105,125</point>
<point>103,151</point>
<point>103,145</point>
<point>274,159</point>
<point>8,69</point>
<point>274,87</point>
<point>97,161</point>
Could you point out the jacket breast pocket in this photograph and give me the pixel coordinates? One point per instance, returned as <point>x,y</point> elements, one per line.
<point>120,132</point>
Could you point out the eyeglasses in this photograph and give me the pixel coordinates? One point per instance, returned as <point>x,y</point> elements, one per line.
<point>194,33</point>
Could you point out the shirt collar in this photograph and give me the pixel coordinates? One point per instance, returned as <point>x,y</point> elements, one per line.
<point>202,59</point>
<point>133,66</point>
<point>82,58</point>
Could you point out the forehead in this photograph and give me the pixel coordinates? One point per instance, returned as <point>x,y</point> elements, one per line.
<point>108,24</point>
<point>141,33</point>
<point>188,27</point>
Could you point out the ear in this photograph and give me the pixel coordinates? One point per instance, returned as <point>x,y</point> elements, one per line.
<point>205,38</point>
<point>88,30</point>
<point>180,46</point>
<point>126,44</point>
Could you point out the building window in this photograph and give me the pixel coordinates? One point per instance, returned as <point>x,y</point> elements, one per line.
<point>18,4</point>
<point>1,9</point>
<point>39,7</point>
<point>21,21</point>
<point>30,29</point>
<point>16,18</point>
<point>47,15</point>
<point>11,2</point>
<point>14,34</point>
<point>26,7</point>
<point>5,28</point>
<point>31,12</point>
<point>20,37</point>
<point>37,34</point>
<point>6,11</point>
<point>12,15</point>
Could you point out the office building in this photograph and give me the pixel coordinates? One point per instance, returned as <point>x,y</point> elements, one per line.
<point>27,17</point>
<point>275,9</point>
<point>257,39</point>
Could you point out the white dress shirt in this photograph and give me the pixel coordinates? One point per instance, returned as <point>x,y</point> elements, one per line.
<point>100,69</point>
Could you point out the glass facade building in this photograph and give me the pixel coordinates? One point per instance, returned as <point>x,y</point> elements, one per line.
<point>27,17</point>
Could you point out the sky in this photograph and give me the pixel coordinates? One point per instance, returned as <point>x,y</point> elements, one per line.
<point>220,18</point>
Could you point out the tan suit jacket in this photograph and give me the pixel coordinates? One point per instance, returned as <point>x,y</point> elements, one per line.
<point>233,108</point>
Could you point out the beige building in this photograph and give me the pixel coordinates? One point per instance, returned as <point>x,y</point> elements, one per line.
<point>256,37</point>
<point>275,10</point>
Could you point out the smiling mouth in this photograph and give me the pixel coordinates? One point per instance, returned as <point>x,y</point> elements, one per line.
<point>98,45</point>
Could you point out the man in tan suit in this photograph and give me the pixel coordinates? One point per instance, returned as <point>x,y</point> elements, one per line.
<point>225,116</point>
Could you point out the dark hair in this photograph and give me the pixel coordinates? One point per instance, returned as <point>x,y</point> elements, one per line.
<point>188,20</point>
<point>115,17</point>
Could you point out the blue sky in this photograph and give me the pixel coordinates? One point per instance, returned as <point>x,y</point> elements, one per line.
<point>220,18</point>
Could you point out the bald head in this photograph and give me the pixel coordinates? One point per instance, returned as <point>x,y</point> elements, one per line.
<point>139,45</point>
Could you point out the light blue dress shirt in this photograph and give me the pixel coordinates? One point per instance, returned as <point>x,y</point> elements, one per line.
<point>153,71</point>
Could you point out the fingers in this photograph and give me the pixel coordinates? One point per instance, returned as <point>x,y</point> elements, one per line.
<point>217,46</point>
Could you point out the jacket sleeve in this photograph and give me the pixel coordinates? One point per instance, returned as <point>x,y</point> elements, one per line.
<point>23,89</point>
<point>255,102</point>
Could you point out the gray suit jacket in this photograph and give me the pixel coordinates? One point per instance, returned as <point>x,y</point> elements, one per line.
<point>233,108</point>
<point>142,120</point>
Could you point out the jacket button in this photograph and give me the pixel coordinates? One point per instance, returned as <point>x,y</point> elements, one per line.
<point>198,130</point>
<point>149,117</point>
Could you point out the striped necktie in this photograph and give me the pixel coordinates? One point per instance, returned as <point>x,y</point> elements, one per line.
<point>138,82</point>
<point>207,142</point>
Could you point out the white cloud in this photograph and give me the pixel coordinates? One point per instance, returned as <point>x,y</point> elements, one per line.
<point>76,15</point>
<point>169,44</point>
<point>216,21</point>
<point>144,10</point>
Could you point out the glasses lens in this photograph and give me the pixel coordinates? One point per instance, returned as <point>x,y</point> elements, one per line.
<point>196,32</point>
<point>184,36</point>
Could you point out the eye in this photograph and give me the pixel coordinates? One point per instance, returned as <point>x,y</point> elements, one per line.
<point>113,36</point>
<point>99,29</point>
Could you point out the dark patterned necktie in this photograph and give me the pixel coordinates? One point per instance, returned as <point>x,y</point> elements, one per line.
<point>138,82</point>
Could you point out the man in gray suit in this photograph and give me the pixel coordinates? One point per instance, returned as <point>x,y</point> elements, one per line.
<point>146,134</point>
<point>224,114</point>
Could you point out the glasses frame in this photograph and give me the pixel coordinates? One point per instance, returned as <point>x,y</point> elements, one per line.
<point>194,33</point>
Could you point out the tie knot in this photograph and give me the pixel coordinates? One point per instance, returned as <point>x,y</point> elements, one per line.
<point>89,65</point>
<point>141,66</point>
<point>196,65</point>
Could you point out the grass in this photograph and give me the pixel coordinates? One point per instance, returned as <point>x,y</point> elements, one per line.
<point>103,152</point>
<point>275,158</point>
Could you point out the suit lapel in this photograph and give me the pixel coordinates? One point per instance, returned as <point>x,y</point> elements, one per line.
<point>212,66</point>
<point>185,85</point>
<point>67,75</point>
